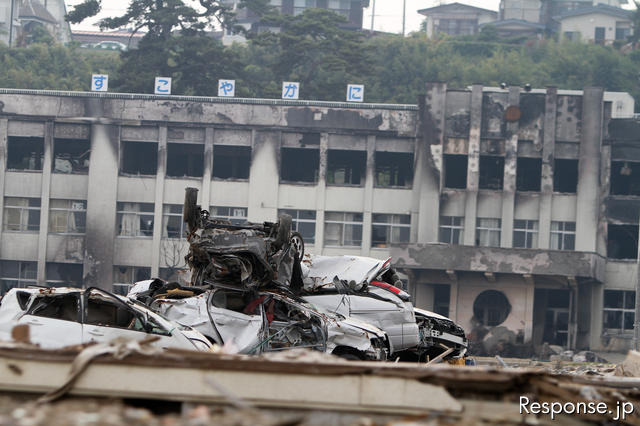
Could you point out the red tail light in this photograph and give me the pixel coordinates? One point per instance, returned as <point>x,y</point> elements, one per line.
<point>393,289</point>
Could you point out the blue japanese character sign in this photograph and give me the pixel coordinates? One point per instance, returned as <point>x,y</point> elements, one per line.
<point>99,82</point>
<point>162,86</point>
<point>227,88</point>
<point>355,93</point>
<point>290,90</point>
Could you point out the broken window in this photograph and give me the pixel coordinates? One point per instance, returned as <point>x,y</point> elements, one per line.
<point>231,162</point>
<point>185,159</point>
<point>25,153</point>
<point>394,169</point>
<point>565,176</point>
<point>125,276</point>
<point>390,229</point>
<point>451,229</point>
<point>21,214</point>
<point>60,306</point>
<point>177,274</point>
<point>346,167</point>
<point>17,273</point>
<point>134,219</point>
<point>139,158</point>
<point>103,311</point>
<point>625,178</point>
<point>491,172</point>
<point>619,310</point>
<point>528,174</point>
<point>235,215</point>
<point>491,308</point>
<point>67,216</point>
<point>441,299</point>
<point>304,222</point>
<point>173,225</point>
<point>455,171</point>
<point>622,241</point>
<point>343,229</point>
<point>299,165</point>
<point>488,232</point>
<point>63,274</point>
<point>525,233</point>
<point>71,155</point>
<point>563,235</point>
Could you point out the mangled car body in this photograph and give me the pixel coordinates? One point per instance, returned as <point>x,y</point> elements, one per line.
<point>66,316</point>
<point>254,322</point>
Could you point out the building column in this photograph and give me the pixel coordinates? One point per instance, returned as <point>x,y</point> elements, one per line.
<point>597,303</point>
<point>530,289</point>
<point>546,186</point>
<point>263,176</point>
<point>368,196</point>
<point>321,192</point>
<point>510,170</point>
<point>44,202</point>
<point>205,196</point>
<point>159,201</point>
<point>473,166</point>
<point>4,131</point>
<point>453,301</point>
<point>587,203</point>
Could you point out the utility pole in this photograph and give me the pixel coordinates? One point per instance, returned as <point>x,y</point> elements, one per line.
<point>373,14</point>
<point>404,15</point>
<point>11,25</point>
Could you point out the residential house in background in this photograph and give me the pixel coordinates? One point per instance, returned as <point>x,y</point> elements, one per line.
<point>456,19</point>
<point>600,24</point>
<point>28,14</point>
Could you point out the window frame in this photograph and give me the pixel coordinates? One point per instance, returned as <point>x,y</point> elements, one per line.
<point>531,235</point>
<point>452,228</point>
<point>483,228</point>
<point>24,214</point>
<point>139,233</point>
<point>562,234</point>
<point>296,220</point>
<point>622,310</point>
<point>389,232</point>
<point>234,219</point>
<point>343,224</point>
<point>69,211</point>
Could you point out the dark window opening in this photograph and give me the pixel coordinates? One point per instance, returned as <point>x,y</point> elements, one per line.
<point>491,308</point>
<point>346,167</point>
<point>528,174</point>
<point>394,169</point>
<point>622,241</point>
<point>619,310</point>
<point>64,274</point>
<point>441,299</point>
<point>299,165</point>
<point>63,307</point>
<point>25,153</point>
<point>565,176</point>
<point>491,172</point>
<point>139,158</point>
<point>71,155</point>
<point>455,171</point>
<point>625,178</point>
<point>231,162</point>
<point>185,159</point>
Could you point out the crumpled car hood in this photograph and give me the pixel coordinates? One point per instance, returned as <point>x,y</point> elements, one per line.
<point>319,271</point>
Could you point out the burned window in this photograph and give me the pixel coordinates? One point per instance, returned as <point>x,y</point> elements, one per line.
<point>394,169</point>
<point>622,241</point>
<point>231,162</point>
<point>488,232</point>
<point>185,159</point>
<point>57,306</point>
<point>491,308</point>
<point>25,153</point>
<point>67,216</point>
<point>139,158</point>
<point>491,172</point>
<point>389,229</point>
<point>619,310</point>
<point>71,155</point>
<point>63,274</point>
<point>343,229</point>
<point>565,176</point>
<point>451,229</point>
<point>346,167</point>
<point>525,233</point>
<point>235,215</point>
<point>299,165</point>
<point>528,174</point>
<point>563,235</point>
<point>304,222</point>
<point>17,273</point>
<point>455,171</point>
<point>21,214</point>
<point>125,276</point>
<point>134,219</point>
<point>625,178</point>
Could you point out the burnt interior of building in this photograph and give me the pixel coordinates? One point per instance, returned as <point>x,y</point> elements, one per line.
<point>345,167</point>
<point>25,153</point>
<point>455,171</point>
<point>71,155</point>
<point>625,178</point>
<point>299,164</point>
<point>139,158</point>
<point>393,169</point>
<point>622,241</point>
<point>185,159</point>
<point>231,162</point>
<point>491,172</point>
<point>565,175</point>
<point>528,174</point>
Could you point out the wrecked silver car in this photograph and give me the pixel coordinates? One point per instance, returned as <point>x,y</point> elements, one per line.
<point>65,316</point>
<point>264,321</point>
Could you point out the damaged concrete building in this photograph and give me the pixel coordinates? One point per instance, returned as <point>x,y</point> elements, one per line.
<point>514,213</point>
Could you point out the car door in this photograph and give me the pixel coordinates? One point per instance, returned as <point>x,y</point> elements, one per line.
<point>106,318</point>
<point>240,324</point>
<point>54,320</point>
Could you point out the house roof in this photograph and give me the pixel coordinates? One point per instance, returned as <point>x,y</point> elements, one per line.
<point>445,7</point>
<point>34,10</point>
<point>599,9</point>
<point>514,22</point>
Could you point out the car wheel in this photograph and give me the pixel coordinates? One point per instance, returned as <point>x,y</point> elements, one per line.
<point>297,243</point>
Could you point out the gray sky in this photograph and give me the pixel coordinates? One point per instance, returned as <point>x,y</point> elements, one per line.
<point>388,12</point>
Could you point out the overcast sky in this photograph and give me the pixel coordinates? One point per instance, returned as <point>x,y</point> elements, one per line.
<point>388,12</point>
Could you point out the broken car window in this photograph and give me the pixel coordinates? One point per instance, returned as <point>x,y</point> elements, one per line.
<point>104,312</point>
<point>57,306</point>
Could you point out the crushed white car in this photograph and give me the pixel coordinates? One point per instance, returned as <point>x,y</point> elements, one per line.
<point>65,316</point>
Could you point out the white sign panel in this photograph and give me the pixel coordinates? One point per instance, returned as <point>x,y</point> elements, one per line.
<point>162,86</point>
<point>99,82</point>
<point>226,88</point>
<point>290,90</point>
<point>355,93</point>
